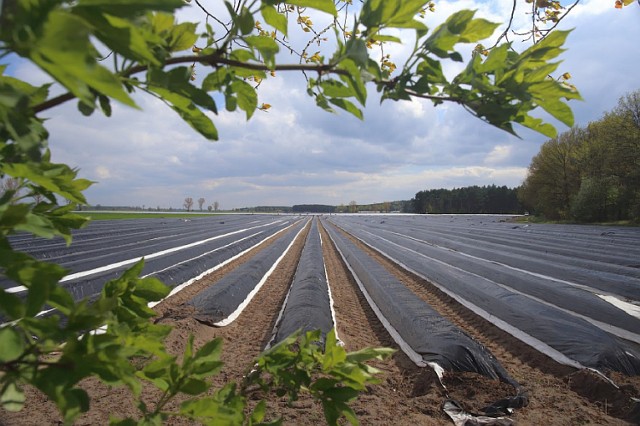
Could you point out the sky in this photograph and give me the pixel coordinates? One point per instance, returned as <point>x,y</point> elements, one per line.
<point>298,154</point>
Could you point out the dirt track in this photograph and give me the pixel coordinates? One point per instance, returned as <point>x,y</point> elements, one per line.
<point>407,394</point>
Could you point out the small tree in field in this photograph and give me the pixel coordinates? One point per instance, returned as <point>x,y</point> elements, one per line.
<point>200,203</point>
<point>188,203</point>
<point>236,47</point>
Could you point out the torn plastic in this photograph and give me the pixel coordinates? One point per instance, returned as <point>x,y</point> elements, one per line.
<point>460,417</point>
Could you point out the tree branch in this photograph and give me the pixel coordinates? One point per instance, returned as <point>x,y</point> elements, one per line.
<point>434,98</point>
<point>506,30</point>
<point>212,60</point>
<point>215,60</point>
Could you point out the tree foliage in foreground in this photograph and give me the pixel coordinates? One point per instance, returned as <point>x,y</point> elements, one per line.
<point>590,174</point>
<point>101,51</point>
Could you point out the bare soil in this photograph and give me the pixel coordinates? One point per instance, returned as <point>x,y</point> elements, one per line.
<point>407,394</point>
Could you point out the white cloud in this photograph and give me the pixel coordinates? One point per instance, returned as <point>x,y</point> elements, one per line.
<point>415,108</point>
<point>102,172</point>
<point>498,154</point>
<point>173,159</point>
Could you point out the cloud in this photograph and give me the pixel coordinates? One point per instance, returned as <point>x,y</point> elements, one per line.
<point>498,154</point>
<point>103,173</point>
<point>296,153</point>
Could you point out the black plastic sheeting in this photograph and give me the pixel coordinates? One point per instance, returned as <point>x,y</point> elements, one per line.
<point>218,301</point>
<point>558,293</point>
<point>173,270</point>
<point>580,254</point>
<point>308,306</point>
<point>109,242</point>
<point>572,336</point>
<point>433,337</point>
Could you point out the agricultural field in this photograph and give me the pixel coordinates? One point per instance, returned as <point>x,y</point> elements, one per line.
<point>540,323</point>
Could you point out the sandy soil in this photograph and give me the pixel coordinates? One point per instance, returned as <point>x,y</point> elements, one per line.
<point>407,394</point>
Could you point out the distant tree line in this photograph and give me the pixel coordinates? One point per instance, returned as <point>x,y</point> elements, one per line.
<point>590,174</point>
<point>471,199</point>
<point>313,208</point>
<point>403,206</point>
<point>264,209</point>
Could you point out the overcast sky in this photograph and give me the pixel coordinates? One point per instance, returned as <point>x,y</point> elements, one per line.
<point>298,154</point>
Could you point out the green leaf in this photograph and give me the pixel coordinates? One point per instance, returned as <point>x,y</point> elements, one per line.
<point>547,49</point>
<point>73,403</point>
<point>12,215</point>
<point>86,109</point>
<point>341,394</point>
<point>225,407</point>
<point>11,344</point>
<point>122,35</point>
<point>242,55</point>
<point>354,79</point>
<point>392,13</point>
<point>245,21</point>
<point>257,415</point>
<point>478,29</point>
<point>194,387</point>
<point>11,304</point>
<point>327,6</point>
<point>455,56</point>
<point>199,121</point>
<point>57,178</point>
<point>12,398</point>
<point>367,354</point>
<point>151,289</point>
<point>441,42</point>
<point>537,125</point>
<point>216,80</point>
<point>266,46</point>
<point>547,96</point>
<point>162,22</point>
<point>231,103</point>
<point>432,70</point>
<point>128,8</point>
<point>347,106</point>
<point>335,89</point>
<point>356,49</point>
<point>273,18</point>
<point>105,105</point>
<point>189,112</point>
<point>246,96</point>
<point>458,22</point>
<point>43,278</point>
<point>541,73</point>
<point>182,36</point>
<point>210,350</point>
<point>66,53</point>
<point>381,37</point>
<point>188,353</point>
<point>333,353</point>
<point>496,59</point>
